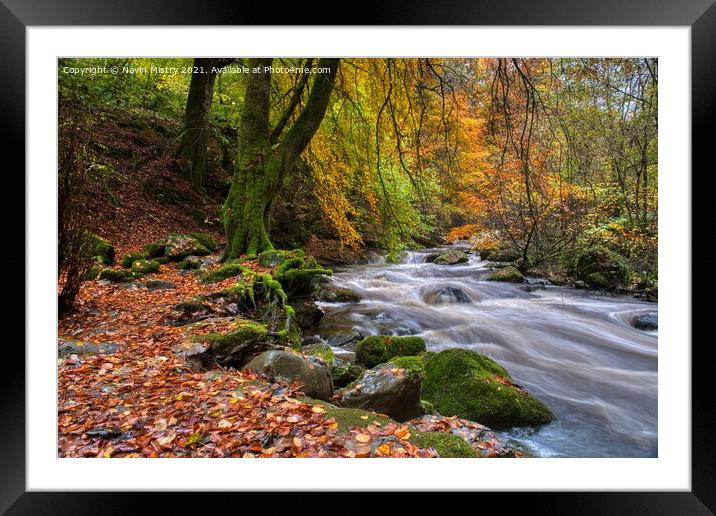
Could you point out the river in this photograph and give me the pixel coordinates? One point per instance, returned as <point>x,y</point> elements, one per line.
<point>573,349</point>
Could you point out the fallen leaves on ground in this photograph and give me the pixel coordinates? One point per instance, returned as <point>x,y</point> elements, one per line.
<point>144,401</point>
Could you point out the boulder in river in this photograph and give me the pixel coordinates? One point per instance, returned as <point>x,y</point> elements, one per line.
<point>648,321</point>
<point>392,389</point>
<point>347,339</point>
<point>377,349</point>
<point>451,258</point>
<point>464,383</point>
<point>443,295</point>
<point>330,294</point>
<point>510,274</point>
<point>311,372</point>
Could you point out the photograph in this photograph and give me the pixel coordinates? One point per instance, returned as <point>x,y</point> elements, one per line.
<point>357,257</point>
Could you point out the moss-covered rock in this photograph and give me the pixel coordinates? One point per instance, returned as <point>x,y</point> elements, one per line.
<point>322,351</point>
<point>154,250</point>
<point>129,258</point>
<point>145,266</point>
<point>161,259</point>
<point>378,349</point>
<point>510,274</point>
<point>332,294</point>
<point>447,445</point>
<point>451,258</point>
<point>464,383</point>
<point>413,365</point>
<point>225,271</point>
<point>206,240</point>
<point>102,250</point>
<point>386,389</point>
<point>346,373</point>
<point>239,346</point>
<point>307,313</point>
<point>179,246</point>
<point>118,275</point>
<point>602,268</point>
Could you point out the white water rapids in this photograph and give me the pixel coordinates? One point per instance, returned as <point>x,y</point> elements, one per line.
<point>573,349</point>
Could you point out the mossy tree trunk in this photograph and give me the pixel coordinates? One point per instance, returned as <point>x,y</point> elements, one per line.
<point>264,158</point>
<point>192,151</point>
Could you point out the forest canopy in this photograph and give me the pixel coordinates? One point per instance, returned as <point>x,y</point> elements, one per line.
<point>542,159</point>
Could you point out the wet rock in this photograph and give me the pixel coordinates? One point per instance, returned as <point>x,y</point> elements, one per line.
<point>307,314</point>
<point>387,389</point>
<point>463,383</point>
<point>483,440</point>
<point>331,294</point>
<point>447,295</point>
<point>509,274</point>
<point>311,372</point>
<point>377,349</point>
<point>345,373</point>
<point>648,321</point>
<point>347,339</point>
<point>451,258</point>
<point>190,311</point>
<point>153,285</point>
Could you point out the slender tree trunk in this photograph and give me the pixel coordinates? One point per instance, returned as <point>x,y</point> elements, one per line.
<point>192,151</point>
<point>261,167</point>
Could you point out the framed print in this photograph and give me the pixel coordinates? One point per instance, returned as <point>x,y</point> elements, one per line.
<point>313,245</point>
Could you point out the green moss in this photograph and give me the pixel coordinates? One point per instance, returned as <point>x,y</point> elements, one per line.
<point>348,418</point>
<point>378,349</point>
<point>249,331</point>
<point>413,365</point>
<point>227,271</point>
<point>130,258</point>
<point>447,445</point>
<point>145,266</point>
<point>92,273</point>
<point>206,240</point>
<point>464,383</point>
<point>603,268</point>
<point>118,275</point>
<point>345,374</point>
<point>161,259</point>
<point>510,274</point>
<point>154,249</point>
<point>191,306</point>
<point>322,351</point>
<point>102,250</point>
<point>274,257</point>
<point>427,407</point>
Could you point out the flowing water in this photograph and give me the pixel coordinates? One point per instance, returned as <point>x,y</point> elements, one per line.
<point>574,349</point>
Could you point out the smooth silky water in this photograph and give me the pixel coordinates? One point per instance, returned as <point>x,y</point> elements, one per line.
<point>573,349</point>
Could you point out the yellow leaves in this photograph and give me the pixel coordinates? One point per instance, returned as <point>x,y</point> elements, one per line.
<point>402,433</point>
<point>362,438</point>
<point>318,409</point>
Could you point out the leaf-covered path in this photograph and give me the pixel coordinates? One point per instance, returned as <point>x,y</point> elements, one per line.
<point>143,400</point>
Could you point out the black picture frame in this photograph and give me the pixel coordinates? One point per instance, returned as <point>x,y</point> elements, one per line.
<point>700,15</point>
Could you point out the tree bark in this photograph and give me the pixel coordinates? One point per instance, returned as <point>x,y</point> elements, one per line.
<point>192,151</point>
<point>262,167</point>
